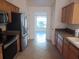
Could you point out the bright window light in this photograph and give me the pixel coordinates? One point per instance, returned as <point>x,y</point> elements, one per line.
<point>41,21</point>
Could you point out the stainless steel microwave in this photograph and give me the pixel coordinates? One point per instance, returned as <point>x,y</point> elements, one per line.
<point>3,17</point>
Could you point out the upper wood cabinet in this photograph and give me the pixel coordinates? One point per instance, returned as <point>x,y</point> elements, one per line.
<point>8,8</point>
<point>69,51</point>
<point>70,14</point>
<point>12,7</point>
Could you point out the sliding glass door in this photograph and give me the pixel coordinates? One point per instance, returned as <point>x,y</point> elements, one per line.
<point>40,29</point>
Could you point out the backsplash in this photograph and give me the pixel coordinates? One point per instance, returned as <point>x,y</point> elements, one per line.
<point>73,27</point>
<point>3,27</point>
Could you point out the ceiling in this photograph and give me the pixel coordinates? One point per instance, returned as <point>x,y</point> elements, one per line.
<point>40,2</point>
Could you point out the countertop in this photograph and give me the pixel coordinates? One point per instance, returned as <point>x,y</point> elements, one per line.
<point>66,34</point>
<point>9,33</point>
<point>74,41</point>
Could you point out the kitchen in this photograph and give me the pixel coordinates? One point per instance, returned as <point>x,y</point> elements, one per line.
<point>62,29</point>
<point>14,36</point>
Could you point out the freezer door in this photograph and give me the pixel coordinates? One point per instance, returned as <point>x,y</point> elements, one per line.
<point>24,42</point>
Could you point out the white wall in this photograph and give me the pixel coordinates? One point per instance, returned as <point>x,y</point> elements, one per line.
<point>53,20</point>
<point>56,15</point>
<point>32,11</point>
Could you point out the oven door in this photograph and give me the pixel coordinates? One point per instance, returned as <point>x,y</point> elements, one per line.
<point>10,51</point>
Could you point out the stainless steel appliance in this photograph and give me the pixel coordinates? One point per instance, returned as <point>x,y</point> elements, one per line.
<point>3,17</point>
<point>18,24</point>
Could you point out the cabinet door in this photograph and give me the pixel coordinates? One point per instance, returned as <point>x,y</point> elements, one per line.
<point>73,53</point>
<point>3,5</point>
<point>63,15</point>
<point>67,13</point>
<point>65,49</point>
<point>76,14</point>
<point>1,55</point>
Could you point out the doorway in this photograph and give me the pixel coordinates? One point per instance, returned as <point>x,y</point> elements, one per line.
<point>40,28</point>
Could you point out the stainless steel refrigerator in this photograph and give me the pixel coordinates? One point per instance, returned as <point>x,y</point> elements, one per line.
<point>19,24</point>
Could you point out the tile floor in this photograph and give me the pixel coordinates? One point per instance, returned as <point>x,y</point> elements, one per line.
<point>38,49</point>
<point>40,37</point>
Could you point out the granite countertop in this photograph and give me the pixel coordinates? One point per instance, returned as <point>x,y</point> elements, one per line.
<point>63,33</point>
<point>66,34</point>
<point>74,41</point>
<point>9,33</point>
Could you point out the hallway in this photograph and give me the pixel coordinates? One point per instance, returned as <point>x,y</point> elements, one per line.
<point>39,50</point>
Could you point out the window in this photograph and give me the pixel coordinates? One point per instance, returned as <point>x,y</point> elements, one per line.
<point>41,22</point>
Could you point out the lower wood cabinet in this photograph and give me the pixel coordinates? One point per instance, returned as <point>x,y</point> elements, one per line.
<point>69,51</point>
<point>1,53</point>
<point>73,53</point>
<point>65,49</point>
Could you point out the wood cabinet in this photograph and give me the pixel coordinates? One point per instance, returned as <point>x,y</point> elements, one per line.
<point>1,53</point>
<point>59,42</point>
<point>69,51</point>
<point>73,53</point>
<point>65,49</point>
<point>8,8</point>
<point>12,7</point>
<point>70,14</point>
